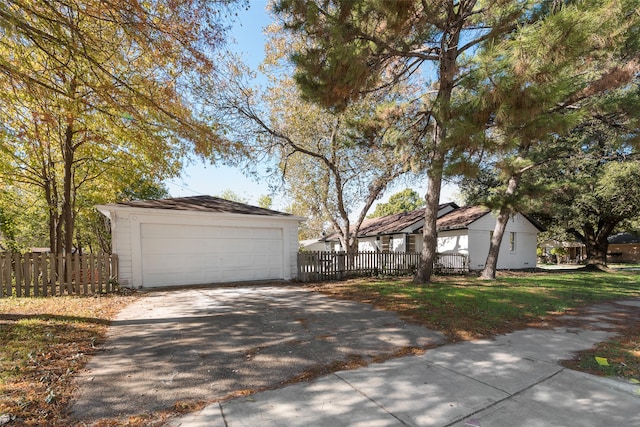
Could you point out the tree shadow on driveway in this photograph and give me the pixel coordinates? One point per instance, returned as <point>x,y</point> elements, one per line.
<point>208,344</point>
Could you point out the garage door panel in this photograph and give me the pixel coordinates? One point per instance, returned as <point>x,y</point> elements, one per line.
<point>185,254</point>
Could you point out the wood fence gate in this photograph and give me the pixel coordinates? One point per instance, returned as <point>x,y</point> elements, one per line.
<point>329,265</point>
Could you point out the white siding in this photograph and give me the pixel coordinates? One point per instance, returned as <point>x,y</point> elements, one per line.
<point>368,244</point>
<point>121,245</point>
<point>397,243</point>
<point>290,248</point>
<point>453,242</point>
<point>524,254</point>
<point>186,245</point>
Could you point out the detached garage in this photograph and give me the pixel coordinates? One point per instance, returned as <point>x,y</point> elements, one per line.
<point>200,240</point>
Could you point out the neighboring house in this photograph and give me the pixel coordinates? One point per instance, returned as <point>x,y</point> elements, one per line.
<point>200,240</point>
<point>624,247</point>
<point>563,252</point>
<point>315,245</point>
<point>461,230</point>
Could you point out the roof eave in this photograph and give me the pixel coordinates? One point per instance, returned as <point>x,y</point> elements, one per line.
<point>108,209</point>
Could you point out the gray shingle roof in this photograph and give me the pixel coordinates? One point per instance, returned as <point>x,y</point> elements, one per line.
<point>202,204</point>
<point>391,224</point>
<point>461,217</point>
<point>622,238</point>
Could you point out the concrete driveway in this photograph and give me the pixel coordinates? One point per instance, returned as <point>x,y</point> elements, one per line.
<point>211,343</point>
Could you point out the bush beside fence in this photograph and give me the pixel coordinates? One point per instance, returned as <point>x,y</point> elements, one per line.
<point>48,274</point>
<point>328,265</point>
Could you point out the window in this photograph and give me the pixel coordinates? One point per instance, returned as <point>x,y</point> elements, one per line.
<point>386,243</point>
<point>411,243</point>
<point>512,241</point>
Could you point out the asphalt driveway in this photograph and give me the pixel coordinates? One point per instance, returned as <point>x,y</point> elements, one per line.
<point>211,343</point>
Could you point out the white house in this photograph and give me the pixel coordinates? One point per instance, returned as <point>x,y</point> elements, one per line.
<point>200,240</point>
<point>468,231</point>
<point>461,230</point>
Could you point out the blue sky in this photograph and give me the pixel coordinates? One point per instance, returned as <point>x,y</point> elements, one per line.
<point>199,178</point>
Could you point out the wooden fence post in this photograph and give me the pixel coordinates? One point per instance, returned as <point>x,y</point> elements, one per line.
<point>100,274</point>
<point>341,265</point>
<point>114,270</point>
<point>45,275</point>
<point>17,268</point>
<point>92,272</point>
<point>5,272</point>
<point>36,275</point>
<point>52,273</point>
<point>27,274</point>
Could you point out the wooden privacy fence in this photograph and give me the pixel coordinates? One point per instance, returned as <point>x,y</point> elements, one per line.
<point>329,265</point>
<point>49,274</point>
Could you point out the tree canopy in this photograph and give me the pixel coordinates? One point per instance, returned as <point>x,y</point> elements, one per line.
<point>96,97</point>
<point>595,191</point>
<point>332,164</point>
<point>354,47</point>
<point>403,201</point>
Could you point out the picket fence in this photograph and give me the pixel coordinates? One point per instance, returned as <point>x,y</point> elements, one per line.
<point>329,265</point>
<point>48,274</point>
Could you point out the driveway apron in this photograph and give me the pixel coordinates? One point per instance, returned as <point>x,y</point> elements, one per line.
<point>210,343</point>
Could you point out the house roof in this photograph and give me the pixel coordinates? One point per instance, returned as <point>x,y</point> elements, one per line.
<point>201,204</point>
<point>391,224</point>
<point>461,217</point>
<point>621,238</point>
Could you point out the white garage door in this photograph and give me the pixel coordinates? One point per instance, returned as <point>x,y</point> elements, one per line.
<point>185,254</point>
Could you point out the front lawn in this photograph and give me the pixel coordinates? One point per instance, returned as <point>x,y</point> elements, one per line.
<point>43,343</point>
<point>466,308</point>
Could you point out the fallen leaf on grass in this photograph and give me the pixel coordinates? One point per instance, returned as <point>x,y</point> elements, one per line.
<point>602,361</point>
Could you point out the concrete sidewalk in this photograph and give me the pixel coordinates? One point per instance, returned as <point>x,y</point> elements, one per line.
<point>514,380</point>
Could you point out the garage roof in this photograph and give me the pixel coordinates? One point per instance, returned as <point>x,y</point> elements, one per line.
<point>202,204</point>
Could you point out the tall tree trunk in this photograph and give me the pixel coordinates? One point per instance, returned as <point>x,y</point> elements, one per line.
<point>52,215</point>
<point>51,196</point>
<point>67,205</point>
<point>491,264</point>
<point>442,116</point>
<point>430,231</point>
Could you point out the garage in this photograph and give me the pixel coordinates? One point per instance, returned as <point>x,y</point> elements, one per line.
<point>200,240</point>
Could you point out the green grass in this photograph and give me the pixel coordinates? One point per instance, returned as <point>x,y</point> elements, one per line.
<point>44,341</point>
<point>469,307</point>
<point>466,308</point>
